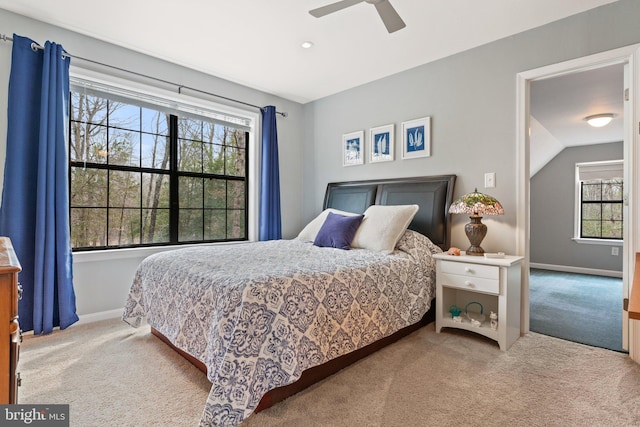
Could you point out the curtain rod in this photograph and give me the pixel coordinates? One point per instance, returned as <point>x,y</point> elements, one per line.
<point>180,87</point>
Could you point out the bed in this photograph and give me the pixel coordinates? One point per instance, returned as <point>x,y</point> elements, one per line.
<point>267,319</point>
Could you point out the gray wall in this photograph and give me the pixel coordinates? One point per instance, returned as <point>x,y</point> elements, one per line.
<point>471,98</point>
<point>101,283</point>
<point>552,230</point>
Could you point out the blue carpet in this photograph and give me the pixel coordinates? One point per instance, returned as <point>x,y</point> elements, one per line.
<point>577,307</point>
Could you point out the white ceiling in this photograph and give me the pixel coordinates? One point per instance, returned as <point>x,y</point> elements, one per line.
<point>257,42</point>
<point>559,105</point>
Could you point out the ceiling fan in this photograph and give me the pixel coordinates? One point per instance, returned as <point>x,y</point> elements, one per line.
<point>387,13</point>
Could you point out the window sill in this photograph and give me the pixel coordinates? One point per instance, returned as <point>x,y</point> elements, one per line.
<point>113,254</point>
<point>608,242</point>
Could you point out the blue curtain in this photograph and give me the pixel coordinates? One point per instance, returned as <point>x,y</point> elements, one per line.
<point>35,194</point>
<point>270,217</point>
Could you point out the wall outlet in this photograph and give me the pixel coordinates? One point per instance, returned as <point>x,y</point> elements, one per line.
<point>490,180</point>
<point>614,251</point>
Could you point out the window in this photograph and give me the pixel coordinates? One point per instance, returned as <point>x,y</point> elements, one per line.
<point>145,174</point>
<point>600,200</point>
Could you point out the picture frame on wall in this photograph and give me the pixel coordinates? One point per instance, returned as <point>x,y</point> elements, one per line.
<point>353,148</point>
<point>416,138</point>
<point>382,143</point>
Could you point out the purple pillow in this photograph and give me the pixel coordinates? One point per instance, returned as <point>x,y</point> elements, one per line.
<point>338,231</point>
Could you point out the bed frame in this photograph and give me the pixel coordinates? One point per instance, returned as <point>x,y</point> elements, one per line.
<point>433,195</point>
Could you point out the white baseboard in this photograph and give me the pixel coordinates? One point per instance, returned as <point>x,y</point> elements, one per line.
<point>579,270</point>
<point>102,315</point>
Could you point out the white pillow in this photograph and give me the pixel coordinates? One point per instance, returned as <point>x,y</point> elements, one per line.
<point>309,233</point>
<point>383,226</point>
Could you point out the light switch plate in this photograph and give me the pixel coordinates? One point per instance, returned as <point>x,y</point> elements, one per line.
<point>490,180</point>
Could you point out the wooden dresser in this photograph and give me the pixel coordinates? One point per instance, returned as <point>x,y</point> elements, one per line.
<point>10,336</point>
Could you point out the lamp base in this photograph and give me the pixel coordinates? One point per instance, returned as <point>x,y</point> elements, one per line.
<point>474,250</point>
<point>475,231</point>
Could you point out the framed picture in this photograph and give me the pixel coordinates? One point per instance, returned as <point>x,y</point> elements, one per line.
<point>353,148</point>
<point>416,138</point>
<point>382,143</point>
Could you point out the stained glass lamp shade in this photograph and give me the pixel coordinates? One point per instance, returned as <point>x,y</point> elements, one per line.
<point>476,204</point>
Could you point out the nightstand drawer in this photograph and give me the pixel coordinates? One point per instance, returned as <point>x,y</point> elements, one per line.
<point>470,270</point>
<point>477,284</point>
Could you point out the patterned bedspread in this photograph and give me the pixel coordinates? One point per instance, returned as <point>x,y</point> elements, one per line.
<point>259,314</point>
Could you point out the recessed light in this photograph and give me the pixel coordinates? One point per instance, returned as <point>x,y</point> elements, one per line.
<point>599,120</point>
<point>307,45</point>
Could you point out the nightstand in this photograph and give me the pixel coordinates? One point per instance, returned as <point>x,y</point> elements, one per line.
<point>493,283</point>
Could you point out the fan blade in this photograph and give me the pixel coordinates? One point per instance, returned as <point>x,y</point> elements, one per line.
<point>334,7</point>
<point>389,16</point>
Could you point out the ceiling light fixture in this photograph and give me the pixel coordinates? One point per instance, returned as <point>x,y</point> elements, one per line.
<point>599,120</point>
<point>307,45</point>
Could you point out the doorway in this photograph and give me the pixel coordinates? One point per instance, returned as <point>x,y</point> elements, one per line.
<point>576,206</point>
<point>627,56</point>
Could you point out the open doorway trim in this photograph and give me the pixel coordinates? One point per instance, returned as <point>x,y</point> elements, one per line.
<point>628,55</point>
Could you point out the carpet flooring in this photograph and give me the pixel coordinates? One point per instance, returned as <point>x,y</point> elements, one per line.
<point>114,375</point>
<point>577,307</point>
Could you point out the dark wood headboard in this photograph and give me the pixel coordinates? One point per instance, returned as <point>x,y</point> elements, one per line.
<point>433,194</point>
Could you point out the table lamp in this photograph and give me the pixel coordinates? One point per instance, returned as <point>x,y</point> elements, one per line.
<point>476,204</point>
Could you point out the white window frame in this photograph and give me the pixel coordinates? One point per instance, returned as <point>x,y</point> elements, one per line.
<point>604,166</point>
<point>179,102</point>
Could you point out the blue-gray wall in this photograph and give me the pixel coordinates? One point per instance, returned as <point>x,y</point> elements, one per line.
<point>552,212</point>
<point>471,98</point>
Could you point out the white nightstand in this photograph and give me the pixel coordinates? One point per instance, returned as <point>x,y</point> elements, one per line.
<point>492,282</point>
